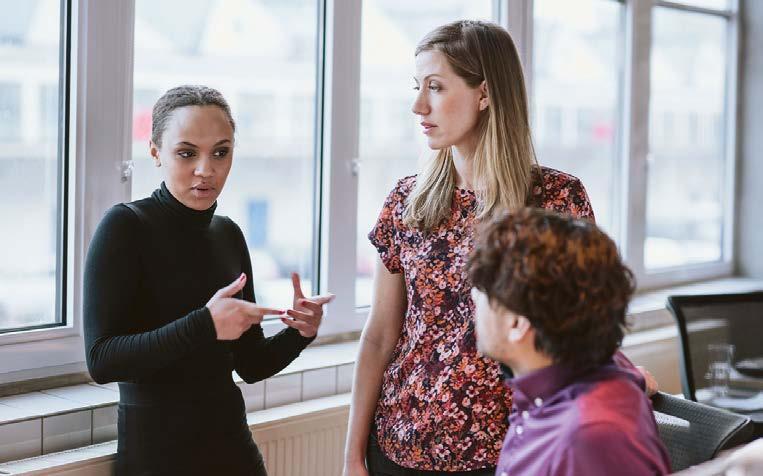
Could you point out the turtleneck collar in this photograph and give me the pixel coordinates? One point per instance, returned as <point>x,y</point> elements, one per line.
<point>181,213</point>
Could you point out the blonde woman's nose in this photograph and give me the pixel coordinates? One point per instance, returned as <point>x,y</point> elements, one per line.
<point>420,105</point>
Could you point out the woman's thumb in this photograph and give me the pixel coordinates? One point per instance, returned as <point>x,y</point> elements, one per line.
<point>234,287</point>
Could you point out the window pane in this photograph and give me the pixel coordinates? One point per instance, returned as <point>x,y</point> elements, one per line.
<point>576,95</point>
<point>686,169</point>
<point>390,139</point>
<point>262,56</point>
<point>30,48</point>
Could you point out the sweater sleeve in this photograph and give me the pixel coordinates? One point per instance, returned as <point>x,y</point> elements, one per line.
<point>256,357</point>
<point>111,287</point>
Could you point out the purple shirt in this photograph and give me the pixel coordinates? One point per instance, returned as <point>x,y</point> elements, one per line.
<point>596,423</point>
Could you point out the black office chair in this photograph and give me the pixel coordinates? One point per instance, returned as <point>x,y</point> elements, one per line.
<point>715,319</point>
<point>694,433</point>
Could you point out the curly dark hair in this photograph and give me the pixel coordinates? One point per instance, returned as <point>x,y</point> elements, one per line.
<point>564,275</point>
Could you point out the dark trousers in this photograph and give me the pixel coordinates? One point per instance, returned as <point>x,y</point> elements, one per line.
<point>379,465</point>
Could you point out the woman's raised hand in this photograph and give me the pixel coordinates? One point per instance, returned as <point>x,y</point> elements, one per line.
<point>307,313</point>
<point>232,317</point>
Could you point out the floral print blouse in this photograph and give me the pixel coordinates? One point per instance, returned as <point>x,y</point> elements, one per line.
<point>443,406</point>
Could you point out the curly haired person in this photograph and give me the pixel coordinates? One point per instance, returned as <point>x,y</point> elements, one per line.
<point>551,294</point>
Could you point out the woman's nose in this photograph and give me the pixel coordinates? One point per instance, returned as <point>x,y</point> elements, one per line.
<point>420,106</point>
<point>205,167</point>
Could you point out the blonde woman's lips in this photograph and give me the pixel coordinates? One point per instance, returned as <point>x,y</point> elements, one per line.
<point>427,127</point>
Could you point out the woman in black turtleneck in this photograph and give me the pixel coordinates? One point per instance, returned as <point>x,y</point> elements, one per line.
<point>169,306</point>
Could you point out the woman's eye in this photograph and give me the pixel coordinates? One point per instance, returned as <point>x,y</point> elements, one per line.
<point>434,87</point>
<point>416,88</point>
<point>185,154</point>
<point>221,153</point>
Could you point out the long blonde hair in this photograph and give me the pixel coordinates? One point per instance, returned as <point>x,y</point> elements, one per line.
<point>504,158</point>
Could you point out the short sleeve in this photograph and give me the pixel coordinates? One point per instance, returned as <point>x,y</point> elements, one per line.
<point>384,235</point>
<point>578,203</point>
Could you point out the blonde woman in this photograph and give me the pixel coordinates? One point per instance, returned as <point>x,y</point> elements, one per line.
<point>424,401</point>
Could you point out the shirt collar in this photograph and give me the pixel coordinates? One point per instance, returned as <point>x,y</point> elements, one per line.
<point>539,385</point>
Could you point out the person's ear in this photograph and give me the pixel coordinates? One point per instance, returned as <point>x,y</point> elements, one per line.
<point>519,329</point>
<point>154,151</point>
<point>484,99</point>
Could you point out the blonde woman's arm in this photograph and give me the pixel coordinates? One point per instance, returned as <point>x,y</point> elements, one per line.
<point>377,343</point>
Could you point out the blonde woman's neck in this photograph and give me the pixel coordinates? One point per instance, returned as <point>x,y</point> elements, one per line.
<point>463,162</point>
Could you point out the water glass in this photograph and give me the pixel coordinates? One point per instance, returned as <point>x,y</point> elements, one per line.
<point>720,360</point>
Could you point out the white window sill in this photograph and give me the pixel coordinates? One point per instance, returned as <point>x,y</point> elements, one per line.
<point>40,419</point>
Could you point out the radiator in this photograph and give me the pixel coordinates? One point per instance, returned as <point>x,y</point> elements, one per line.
<point>304,445</point>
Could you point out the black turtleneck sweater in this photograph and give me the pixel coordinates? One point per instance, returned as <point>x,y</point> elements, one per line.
<point>147,281</point>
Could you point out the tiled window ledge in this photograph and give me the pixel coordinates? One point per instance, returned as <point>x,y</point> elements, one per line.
<point>48,421</point>
<point>59,419</point>
<point>70,461</point>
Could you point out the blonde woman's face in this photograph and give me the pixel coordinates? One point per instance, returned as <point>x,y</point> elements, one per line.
<point>196,154</point>
<point>447,107</point>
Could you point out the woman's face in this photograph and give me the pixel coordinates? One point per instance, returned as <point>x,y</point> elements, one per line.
<point>447,107</point>
<point>196,154</point>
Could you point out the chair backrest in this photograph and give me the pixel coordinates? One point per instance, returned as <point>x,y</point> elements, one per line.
<point>694,433</point>
<point>715,319</point>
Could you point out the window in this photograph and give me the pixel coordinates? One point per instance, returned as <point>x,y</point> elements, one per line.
<point>577,56</point>
<point>671,221</point>
<point>261,55</point>
<point>315,84</point>
<point>391,142</point>
<point>33,75</point>
<point>687,165</point>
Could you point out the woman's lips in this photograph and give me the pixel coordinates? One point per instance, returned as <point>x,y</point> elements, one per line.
<point>202,191</point>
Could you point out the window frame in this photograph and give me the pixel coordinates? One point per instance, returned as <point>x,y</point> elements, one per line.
<point>63,155</point>
<point>100,45</point>
<point>100,55</point>
<point>636,153</point>
<point>632,162</point>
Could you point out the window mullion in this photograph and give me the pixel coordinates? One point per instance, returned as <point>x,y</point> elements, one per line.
<point>635,142</point>
<point>517,17</point>
<point>341,116</point>
<point>104,108</point>
<point>103,125</point>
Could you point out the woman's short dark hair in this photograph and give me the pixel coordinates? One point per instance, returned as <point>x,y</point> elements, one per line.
<point>564,275</point>
<point>182,96</point>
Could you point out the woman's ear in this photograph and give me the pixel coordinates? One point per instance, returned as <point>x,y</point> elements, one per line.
<point>520,328</point>
<point>154,151</point>
<point>484,99</point>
